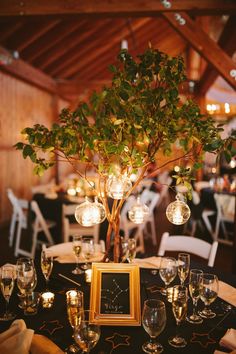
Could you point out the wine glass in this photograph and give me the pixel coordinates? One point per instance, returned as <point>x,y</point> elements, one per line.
<point>7,278</point>
<point>77,247</point>
<point>168,271</point>
<point>131,249</point>
<point>183,266</point>
<point>46,264</point>
<point>195,285</point>
<point>87,250</point>
<point>153,321</point>
<point>179,309</point>
<point>74,303</point>
<point>208,294</point>
<point>26,278</point>
<point>86,334</point>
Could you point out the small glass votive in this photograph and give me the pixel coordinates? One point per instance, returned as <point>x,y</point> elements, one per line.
<point>47,299</point>
<point>31,303</point>
<point>88,275</point>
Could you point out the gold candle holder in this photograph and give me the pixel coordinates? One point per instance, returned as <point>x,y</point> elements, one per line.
<point>47,299</point>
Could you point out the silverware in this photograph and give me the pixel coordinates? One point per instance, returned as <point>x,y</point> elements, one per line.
<point>72,281</point>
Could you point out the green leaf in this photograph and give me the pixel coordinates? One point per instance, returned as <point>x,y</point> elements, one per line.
<point>27,151</point>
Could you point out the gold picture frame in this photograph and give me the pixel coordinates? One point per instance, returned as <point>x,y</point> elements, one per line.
<point>115,294</point>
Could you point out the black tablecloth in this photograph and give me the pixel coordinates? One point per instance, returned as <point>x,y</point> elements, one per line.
<point>54,324</point>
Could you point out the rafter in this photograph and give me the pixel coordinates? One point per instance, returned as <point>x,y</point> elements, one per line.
<point>228,44</point>
<point>22,70</point>
<point>204,45</point>
<point>113,8</point>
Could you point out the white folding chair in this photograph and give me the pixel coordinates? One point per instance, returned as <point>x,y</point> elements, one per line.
<point>15,213</point>
<point>71,228</point>
<point>150,198</point>
<point>38,225</point>
<point>225,205</point>
<point>129,227</point>
<point>188,244</point>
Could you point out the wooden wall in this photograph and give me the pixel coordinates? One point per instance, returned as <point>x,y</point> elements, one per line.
<point>21,105</point>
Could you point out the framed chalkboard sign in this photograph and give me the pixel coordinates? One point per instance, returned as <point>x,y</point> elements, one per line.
<point>115,294</point>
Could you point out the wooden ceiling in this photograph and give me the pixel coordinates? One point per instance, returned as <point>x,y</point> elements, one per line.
<point>66,46</point>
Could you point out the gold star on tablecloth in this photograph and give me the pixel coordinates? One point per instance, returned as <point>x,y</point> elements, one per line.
<point>51,326</point>
<point>118,340</point>
<point>202,338</point>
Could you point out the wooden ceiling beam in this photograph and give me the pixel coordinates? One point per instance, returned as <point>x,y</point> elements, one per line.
<point>30,33</point>
<point>60,49</point>
<point>204,45</point>
<point>50,39</point>
<point>228,44</point>
<point>100,51</point>
<point>7,29</point>
<point>113,8</point>
<point>25,72</point>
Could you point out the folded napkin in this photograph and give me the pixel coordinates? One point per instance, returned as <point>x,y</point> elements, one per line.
<point>17,339</point>
<point>43,345</point>
<point>227,293</point>
<point>229,339</point>
<point>219,352</point>
<point>149,262</point>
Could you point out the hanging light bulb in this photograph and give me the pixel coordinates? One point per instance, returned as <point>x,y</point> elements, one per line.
<point>178,212</point>
<point>99,212</point>
<point>139,212</point>
<point>118,186</point>
<point>86,213</point>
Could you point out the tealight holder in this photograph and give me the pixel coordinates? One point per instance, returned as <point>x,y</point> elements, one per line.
<point>88,275</point>
<point>47,299</point>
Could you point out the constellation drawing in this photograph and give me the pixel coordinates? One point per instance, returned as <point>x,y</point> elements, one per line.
<point>114,294</point>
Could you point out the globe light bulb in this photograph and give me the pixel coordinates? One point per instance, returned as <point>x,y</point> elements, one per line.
<point>178,212</point>
<point>86,213</point>
<point>139,212</point>
<point>99,212</point>
<point>118,186</point>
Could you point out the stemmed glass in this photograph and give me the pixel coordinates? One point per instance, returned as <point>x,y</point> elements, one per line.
<point>153,321</point>
<point>86,334</point>
<point>87,250</point>
<point>179,308</point>
<point>46,265</point>
<point>208,294</point>
<point>74,303</point>
<point>7,274</point>
<point>131,249</point>
<point>168,271</point>
<point>195,285</point>
<point>183,266</point>
<point>77,247</point>
<point>26,278</point>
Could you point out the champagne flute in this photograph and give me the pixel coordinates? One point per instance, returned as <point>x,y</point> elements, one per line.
<point>88,251</point>
<point>168,271</point>
<point>7,278</point>
<point>179,309</point>
<point>195,285</point>
<point>131,249</point>
<point>86,334</point>
<point>183,266</point>
<point>153,321</point>
<point>46,265</point>
<point>75,303</point>
<point>77,247</point>
<point>208,294</point>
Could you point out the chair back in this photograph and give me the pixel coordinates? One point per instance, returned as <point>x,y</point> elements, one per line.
<point>70,228</point>
<point>188,244</point>
<point>150,198</point>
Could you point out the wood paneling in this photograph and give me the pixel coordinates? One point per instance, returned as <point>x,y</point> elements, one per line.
<point>21,105</point>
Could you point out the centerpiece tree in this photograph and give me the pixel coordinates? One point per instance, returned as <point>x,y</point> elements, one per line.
<point>125,128</point>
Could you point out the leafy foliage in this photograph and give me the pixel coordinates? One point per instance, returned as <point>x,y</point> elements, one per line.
<point>128,123</point>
